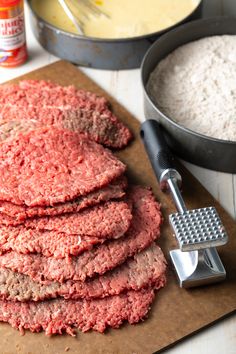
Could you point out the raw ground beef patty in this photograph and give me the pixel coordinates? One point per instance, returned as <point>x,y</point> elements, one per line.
<point>13,214</point>
<point>57,316</point>
<point>144,229</point>
<point>48,166</point>
<point>65,107</point>
<point>146,269</point>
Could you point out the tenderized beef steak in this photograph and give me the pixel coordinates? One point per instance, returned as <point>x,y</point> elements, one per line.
<point>10,129</point>
<point>109,220</point>
<point>58,316</point>
<point>48,166</point>
<point>48,243</point>
<point>65,107</point>
<point>13,214</point>
<point>146,269</point>
<point>144,229</point>
<point>92,226</point>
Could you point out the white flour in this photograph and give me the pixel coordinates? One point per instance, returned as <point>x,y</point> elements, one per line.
<point>196,86</point>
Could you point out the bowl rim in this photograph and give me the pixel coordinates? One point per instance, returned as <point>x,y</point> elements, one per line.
<point>112,40</point>
<point>165,37</point>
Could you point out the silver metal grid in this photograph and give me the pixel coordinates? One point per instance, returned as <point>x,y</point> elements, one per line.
<point>199,228</point>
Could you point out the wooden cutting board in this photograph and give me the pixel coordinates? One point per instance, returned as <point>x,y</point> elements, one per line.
<point>176,313</point>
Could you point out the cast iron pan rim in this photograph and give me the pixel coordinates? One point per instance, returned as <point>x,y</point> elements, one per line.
<point>165,37</point>
<point>112,40</point>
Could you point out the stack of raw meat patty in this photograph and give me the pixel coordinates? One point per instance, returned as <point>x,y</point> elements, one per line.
<point>77,243</point>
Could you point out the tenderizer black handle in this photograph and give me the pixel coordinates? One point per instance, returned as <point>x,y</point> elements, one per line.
<point>158,151</point>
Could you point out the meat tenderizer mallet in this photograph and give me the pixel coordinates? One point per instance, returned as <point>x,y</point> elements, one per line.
<point>197,231</point>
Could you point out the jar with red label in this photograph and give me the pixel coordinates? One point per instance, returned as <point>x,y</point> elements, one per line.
<point>13,50</point>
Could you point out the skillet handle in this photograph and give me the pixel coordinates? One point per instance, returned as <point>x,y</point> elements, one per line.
<point>158,153</point>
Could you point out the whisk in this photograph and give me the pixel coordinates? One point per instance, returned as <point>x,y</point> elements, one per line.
<point>79,11</point>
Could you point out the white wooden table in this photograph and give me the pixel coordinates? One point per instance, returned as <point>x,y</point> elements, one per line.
<point>126,87</point>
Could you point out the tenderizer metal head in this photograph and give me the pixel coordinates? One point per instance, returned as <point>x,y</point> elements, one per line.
<point>197,231</point>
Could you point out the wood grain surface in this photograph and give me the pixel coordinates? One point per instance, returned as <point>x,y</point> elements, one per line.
<point>176,313</point>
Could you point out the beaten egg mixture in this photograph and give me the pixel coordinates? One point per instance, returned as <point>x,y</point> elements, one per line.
<point>126,18</point>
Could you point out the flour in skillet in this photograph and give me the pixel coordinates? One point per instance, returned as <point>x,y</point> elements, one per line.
<point>196,86</point>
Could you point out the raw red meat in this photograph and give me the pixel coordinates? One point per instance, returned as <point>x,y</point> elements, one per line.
<point>48,166</point>
<point>18,213</point>
<point>109,220</point>
<point>144,229</point>
<point>10,129</point>
<point>48,243</point>
<point>146,269</point>
<point>65,107</point>
<point>58,316</point>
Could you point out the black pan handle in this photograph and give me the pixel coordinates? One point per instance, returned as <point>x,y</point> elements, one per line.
<point>158,152</point>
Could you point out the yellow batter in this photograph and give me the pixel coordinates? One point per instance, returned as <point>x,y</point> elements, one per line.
<point>127,18</point>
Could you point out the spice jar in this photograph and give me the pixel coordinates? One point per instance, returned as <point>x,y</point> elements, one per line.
<point>13,50</point>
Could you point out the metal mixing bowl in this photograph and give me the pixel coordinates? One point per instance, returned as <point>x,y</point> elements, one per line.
<point>199,149</point>
<point>112,54</point>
